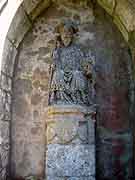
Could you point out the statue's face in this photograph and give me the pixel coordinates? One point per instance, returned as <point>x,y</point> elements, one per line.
<point>67,36</point>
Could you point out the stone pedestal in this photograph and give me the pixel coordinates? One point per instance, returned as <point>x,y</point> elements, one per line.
<point>70,151</point>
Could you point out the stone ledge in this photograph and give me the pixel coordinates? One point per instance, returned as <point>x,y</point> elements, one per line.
<point>72,109</point>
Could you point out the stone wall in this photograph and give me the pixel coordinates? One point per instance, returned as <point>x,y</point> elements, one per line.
<point>5,107</point>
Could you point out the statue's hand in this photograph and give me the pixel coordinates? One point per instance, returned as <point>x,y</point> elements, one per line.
<point>53,66</point>
<point>87,69</point>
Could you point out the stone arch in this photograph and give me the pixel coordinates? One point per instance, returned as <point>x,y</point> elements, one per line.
<point>21,20</point>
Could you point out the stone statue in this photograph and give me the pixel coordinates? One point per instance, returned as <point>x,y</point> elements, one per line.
<point>71,109</point>
<point>71,71</point>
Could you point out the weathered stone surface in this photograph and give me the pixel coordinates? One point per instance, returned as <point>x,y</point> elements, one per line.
<point>124,17</point>
<point>55,178</point>
<point>132,38</point>
<point>68,130</point>
<point>78,110</point>
<point>44,4</point>
<point>28,130</point>
<point>4,129</point>
<point>3,174</point>
<point>65,130</point>
<point>5,159</point>
<point>8,58</point>
<point>71,178</point>
<point>2,104</point>
<point>121,27</point>
<point>126,13</point>
<point>68,152</point>
<point>24,85</point>
<point>30,5</point>
<point>6,145</point>
<point>67,124</point>
<point>50,133</point>
<point>32,158</point>
<point>20,25</point>
<point>117,149</point>
<point>108,5</point>
<point>84,178</point>
<point>91,131</point>
<point>70,160</point>
<point>5,82</point>
<point>82,132</point>
<point>36,99</point>
<point>5,105</point>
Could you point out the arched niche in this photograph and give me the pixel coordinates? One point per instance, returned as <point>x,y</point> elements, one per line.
<point>25,16</point>
<point>98,34</point>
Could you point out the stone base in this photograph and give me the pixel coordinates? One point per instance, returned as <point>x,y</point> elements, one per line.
<point>70,160</point>
<point>70,151</point>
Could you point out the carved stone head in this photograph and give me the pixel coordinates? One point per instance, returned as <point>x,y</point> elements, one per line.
<point>66,36</point>
<point>66,32</point>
